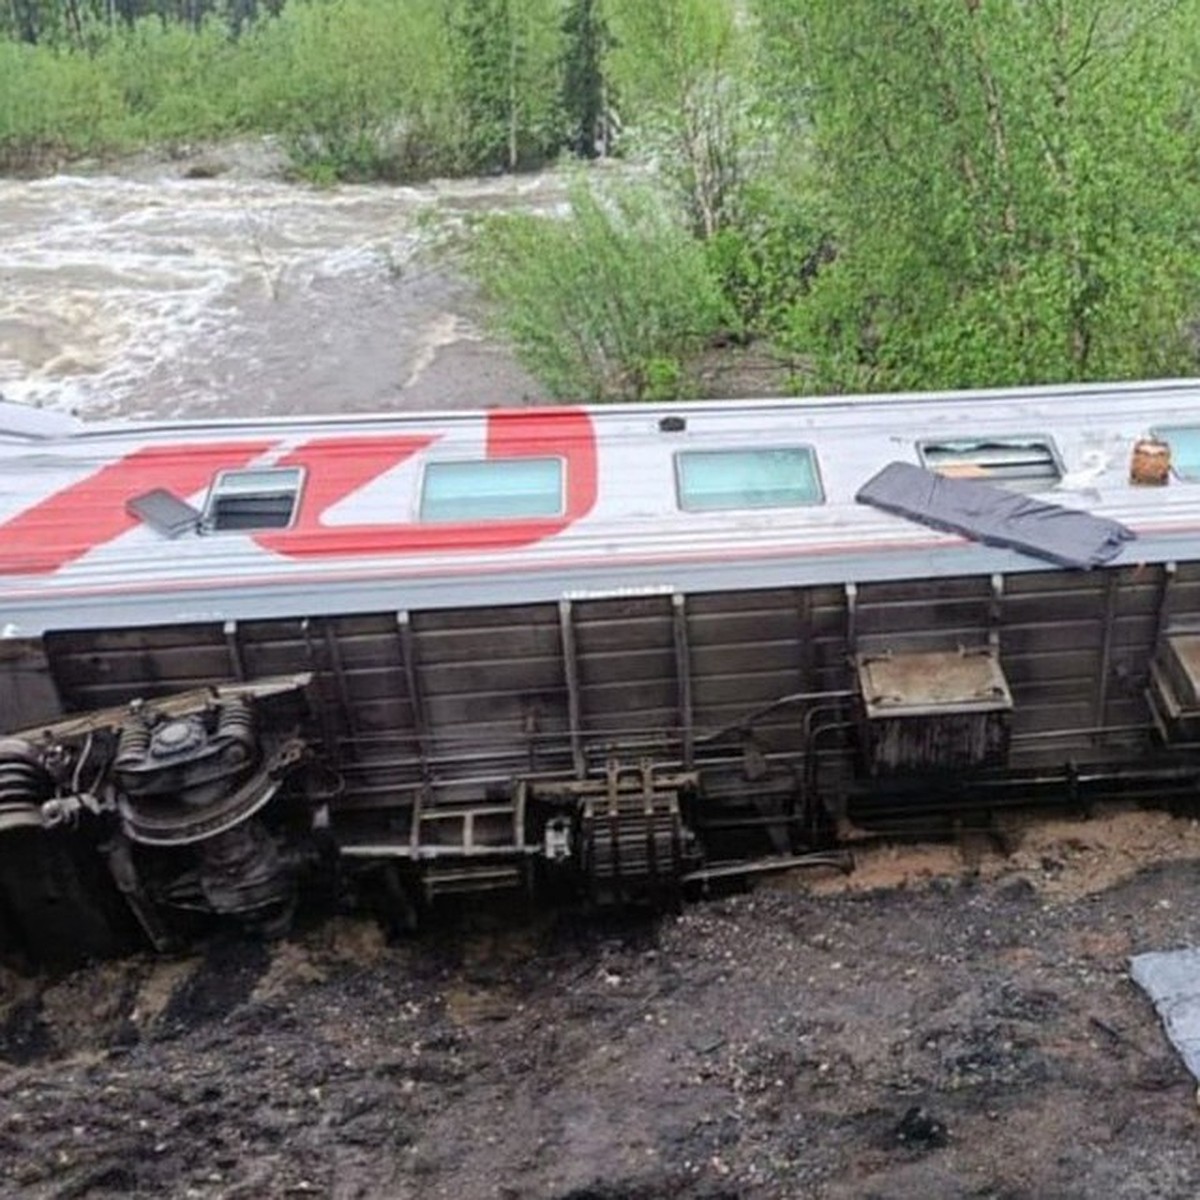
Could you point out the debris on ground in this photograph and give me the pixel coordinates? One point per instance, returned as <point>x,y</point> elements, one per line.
<point>1171,978</point>
<point>973,1033</point>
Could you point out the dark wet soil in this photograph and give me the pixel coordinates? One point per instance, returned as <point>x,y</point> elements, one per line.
<point>967,1037</point>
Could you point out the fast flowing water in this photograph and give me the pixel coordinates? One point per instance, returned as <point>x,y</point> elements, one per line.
<point>149,294</point>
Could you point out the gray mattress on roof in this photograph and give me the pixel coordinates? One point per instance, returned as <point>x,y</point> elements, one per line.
<point>995,516</point>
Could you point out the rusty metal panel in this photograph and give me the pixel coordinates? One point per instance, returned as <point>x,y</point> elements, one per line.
<point>748,650</point>
<point>946,743</point>
<point>613,627</point>
<point>1073,716</point>
<point>27,690</point>
<point>934,710</point>
<point>1180,659</point>
<point>1029,670</point>
<point>1174,687</point>
<point>732,657</point>
<point>632,666</point>
<point>932,683</point>
<point>112,667</point>
<point>107,667</point>
<point>747,625</point>
<point>537,672</point>
<point>640,699</point>
<point>1057,582</point>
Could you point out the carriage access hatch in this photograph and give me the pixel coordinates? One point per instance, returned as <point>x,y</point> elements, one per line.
<point>942,710</point>
<point>1174,690</point>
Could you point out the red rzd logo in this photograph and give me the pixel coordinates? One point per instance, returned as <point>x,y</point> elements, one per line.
<point>91,513</point>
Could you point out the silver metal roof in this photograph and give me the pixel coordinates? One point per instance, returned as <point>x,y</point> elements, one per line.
<point>70,558</point>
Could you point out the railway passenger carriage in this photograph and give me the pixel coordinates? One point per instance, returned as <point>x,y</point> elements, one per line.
<point>612,650</point>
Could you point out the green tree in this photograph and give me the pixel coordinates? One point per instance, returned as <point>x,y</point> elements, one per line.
<point>507,56</point>
<point>683,67</point>
<point>587,97</point>
<point>611,301</point>
<point>1012,186</point>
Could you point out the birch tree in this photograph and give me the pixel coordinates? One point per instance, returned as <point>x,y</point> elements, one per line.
<point>682,67</point>
<point>1012,187</point>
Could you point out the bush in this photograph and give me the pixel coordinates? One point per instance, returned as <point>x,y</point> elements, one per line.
<point>768,259</point>
<point>53,105</point>
<point>358,89</point>
<point>609,302</point>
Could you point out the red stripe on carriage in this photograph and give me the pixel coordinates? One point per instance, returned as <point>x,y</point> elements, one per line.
<point>336,467</point>
<point>87,514</point>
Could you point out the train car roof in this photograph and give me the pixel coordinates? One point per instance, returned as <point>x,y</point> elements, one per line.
<point>138,523</point>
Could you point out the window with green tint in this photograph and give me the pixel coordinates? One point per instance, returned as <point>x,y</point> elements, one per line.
<point>1184,441</point>
<point>1024,464</point>
<point>492,490</point>
<point>712,480</point>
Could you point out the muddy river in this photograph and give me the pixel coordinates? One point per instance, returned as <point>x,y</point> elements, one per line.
<point>149,292</point>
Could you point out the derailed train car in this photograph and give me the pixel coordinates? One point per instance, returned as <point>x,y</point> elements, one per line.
<point>609,651</point>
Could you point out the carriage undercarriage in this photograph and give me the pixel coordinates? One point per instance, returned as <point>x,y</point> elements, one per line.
<point>606,751</point>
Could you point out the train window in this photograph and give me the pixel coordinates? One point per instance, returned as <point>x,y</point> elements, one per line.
<point>1022,464</point>
<point>1184,441</point>
<point>780,477</point>
<point>254,499</point>
<point>492,489</point>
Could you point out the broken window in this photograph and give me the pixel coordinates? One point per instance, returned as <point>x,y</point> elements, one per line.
<point>492,490</point>
<point>1020,464</point>
<point>1184,441</point>
<point>715,480</point>
<point>254,499</point>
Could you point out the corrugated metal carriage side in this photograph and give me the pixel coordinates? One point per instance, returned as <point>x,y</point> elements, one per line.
<point>643,697</point>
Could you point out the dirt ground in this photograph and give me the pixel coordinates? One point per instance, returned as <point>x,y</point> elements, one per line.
<point>938,1024</point>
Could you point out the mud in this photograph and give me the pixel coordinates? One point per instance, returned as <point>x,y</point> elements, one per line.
<point>965,1031</point>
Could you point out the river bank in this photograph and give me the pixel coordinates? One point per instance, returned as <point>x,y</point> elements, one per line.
<point>201,282</point>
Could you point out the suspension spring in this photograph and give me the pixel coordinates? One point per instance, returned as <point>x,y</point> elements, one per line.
<point>24,784</point>
<point>23,779</point>
<point>133,744</point>
<point>236,722</point>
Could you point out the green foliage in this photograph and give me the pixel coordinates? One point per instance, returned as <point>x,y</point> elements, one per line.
<point>1013,194</point>
<point>506,61</point>
<point>935,194</point>
<point>767,261</point>
<point>683,66</point>
<point>609,302</point>
<point>357,88</point>
<point>81,23</point>
<point>588,98</point>
<point>51,104</point>
<point>175,83</point>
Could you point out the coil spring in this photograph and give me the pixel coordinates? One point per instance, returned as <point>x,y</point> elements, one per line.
<point>236,721</point>
<point>23,779</point>
<point>133,743</point>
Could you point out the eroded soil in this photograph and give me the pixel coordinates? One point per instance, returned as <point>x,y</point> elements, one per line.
<point>933,1027</point>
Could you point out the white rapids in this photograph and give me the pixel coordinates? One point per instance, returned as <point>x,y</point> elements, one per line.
<point>164,296</point>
